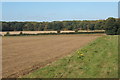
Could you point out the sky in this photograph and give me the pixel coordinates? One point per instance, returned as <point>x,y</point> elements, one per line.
<point>58,11</point>
<point>60,0</point>
<point>119,9</point>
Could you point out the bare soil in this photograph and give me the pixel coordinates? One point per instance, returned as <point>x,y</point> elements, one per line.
<point>23,54</point>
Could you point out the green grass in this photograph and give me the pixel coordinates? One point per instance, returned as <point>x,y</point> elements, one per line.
<point>100,61</point>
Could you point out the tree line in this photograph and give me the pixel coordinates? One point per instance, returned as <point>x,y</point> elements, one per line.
<point>111,25</point>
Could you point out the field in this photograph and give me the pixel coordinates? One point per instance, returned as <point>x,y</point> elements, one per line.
<point>99,59</point>
<point>24,54</point>
<point>37,32</point>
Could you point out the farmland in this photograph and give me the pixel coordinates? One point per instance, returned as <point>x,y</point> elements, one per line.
<point>98,59</point>
<point>24,54</point>
<point>52,39</point>
<point>43,32</point>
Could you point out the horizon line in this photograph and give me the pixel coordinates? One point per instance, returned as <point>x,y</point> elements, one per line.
<point>57,20</point>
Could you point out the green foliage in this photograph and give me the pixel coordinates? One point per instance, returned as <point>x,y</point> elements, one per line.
<point>99,59</point>
<point>58,31</point>
<point>111,25</point>
<point>55,25</point>
<point>118,32</point>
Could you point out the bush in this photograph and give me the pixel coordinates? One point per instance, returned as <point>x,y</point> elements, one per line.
<point>112,26</point>
<point>21,33</point>
<point>58,31</point>
<point>118,32</point>
<point>7,34</point>
<point>111,32</point>
<point>76,30</point>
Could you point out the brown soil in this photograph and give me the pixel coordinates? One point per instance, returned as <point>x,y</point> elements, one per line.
<point>22,55</point>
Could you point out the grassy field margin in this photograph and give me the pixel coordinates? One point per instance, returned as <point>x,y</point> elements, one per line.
<point>98,59</point>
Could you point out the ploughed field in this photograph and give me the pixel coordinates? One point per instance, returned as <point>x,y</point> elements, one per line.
<point>24,54</point>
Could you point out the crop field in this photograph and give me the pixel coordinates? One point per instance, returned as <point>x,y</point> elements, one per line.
<point>37,32</point>
<point>24,54</point>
